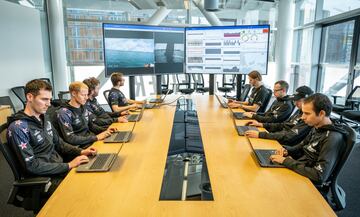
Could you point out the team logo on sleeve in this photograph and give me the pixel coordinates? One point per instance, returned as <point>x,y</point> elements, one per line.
<point>23,145</point>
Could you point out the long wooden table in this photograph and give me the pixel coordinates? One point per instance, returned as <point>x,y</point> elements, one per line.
<point>240,186</point>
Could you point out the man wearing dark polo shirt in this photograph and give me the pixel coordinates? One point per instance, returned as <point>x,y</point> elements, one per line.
<point>257,96</point>
<point>117,99</point>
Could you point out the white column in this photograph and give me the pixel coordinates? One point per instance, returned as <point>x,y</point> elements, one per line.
<point>158,16</point>
<point>210,16</point>
<point>57,45</point>
<point>284,35</point>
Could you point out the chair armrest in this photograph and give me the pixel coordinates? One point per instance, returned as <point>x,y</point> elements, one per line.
<point>335,98</point>
<point>32,181</point>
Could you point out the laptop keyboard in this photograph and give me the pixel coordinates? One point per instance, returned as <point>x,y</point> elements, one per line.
<point>100,161</point>
<point>243,129</point>
<point>238,115</point>
<point>132,117</point>
<point>265,155</point>
<point>120,136</point>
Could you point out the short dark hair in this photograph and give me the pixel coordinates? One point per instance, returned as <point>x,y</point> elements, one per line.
<point>91,83</point>
<point>116,77</point>
<point>34,87</point>
<point>255,75</point>
<point>283,84</point>
<point>320,102</point>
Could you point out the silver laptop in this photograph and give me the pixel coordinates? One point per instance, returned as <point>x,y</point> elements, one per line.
<point>263,156</point>
<point>99,163</point>
<point>222,101</point>
<point>161,99</point>
<point>120,136</point>
<point>136,117</point>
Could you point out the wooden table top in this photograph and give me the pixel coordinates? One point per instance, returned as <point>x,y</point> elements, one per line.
<point>240,186</point>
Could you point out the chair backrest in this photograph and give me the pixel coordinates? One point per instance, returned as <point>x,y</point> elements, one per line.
<point>10,155</point>
<point>106,95</point>
<point>355,93</point>
<point>198,79</point>
<point>183,80</point>
<point>345,153</point>
<point>64,95</point>
<point>19,92</point>
<point>245,92</point>
<point>228,80</point>
<point>264,106</point>
<point>164,81</point>
<point>5,100</point>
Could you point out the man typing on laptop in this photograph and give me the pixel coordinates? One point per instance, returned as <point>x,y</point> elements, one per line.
<point>75,121</point>
<point>281,108</point>
<point>103,118</point>
<point>35,141</point>
<point>316,156</point>
<point>290,132</point>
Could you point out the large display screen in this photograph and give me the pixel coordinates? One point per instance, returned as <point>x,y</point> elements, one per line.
<point>227,49</point>
<point>140,49</point>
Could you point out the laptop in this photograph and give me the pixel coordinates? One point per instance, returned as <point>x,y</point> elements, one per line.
<point>136,117</point>
<point>161,99</point>
<point>242,129</point>
<point>221,100</point>
<point>238,115</point>
<point>263,156</point>
<point>120,136</point>
<point>99,163</point>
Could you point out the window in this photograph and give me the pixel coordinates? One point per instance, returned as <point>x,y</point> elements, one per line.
<point>335,58</point>
<point>304,11</point>
<point>331,7</point>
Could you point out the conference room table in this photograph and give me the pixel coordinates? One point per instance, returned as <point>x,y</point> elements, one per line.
<point>240,186</point>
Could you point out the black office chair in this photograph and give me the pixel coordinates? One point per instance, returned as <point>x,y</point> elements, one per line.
<point>5,100</point>
<point>64,95</point>
<point>228,84</point>
<point>184,83</point>
<point>106,95</point>
<point>27,192</point>
<point>165,85</point>
<point>200,83</point>
<point>245,92</point>
<point>337,197</point>
<point>19,92</point>
<point>265,105</point>
<point>351,101</point>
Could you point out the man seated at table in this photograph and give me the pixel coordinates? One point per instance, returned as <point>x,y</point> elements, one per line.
<point>280,109</point>
<point>39,149</point>
<point>316,156</point>
<point>257,97</point>
<point>103,118</point>
<point>290,132</point>
<point>117,99</point>
<point>75,122</point>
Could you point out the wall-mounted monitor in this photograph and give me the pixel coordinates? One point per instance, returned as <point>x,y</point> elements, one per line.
<point>143,50</point>
<point>227,49</point>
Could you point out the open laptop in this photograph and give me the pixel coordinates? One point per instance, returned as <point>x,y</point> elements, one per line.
<point>222,101</point>
<point>99,163</point>
<point>161,99</point>
<point>242,129</point>
<point>120,136</point>
<point>263,156</point>
<point>136,117</point>
<point>238,115</point>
